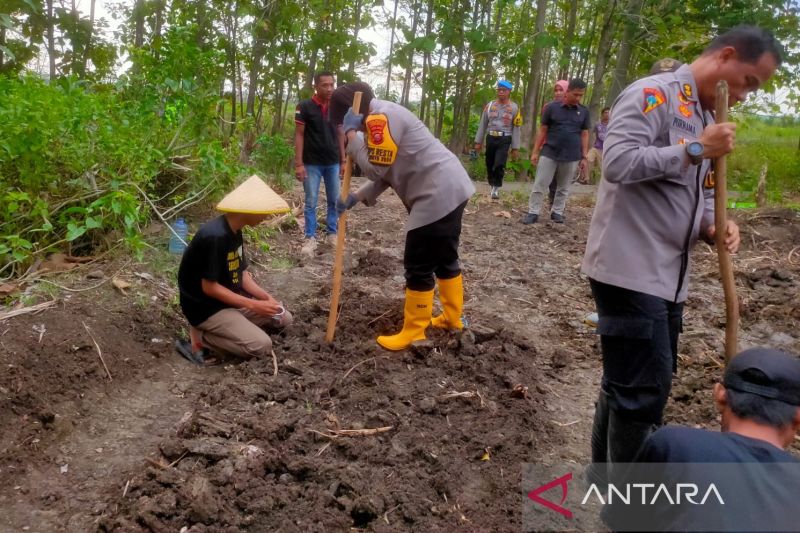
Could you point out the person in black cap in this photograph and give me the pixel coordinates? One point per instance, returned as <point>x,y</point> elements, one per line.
<point>664,65</point>
<point>759,400</point>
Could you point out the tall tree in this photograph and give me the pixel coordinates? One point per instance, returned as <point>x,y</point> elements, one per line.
<point>632,13</point>
<point>541,39</point>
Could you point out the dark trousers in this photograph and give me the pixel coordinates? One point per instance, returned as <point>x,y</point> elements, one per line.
<point>639,341</point>
<point>496,157</point>
<point>433,249</point>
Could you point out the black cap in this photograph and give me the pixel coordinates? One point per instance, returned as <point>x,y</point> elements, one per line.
<point>665,65</point>
<point>765,372</point>
<point>342,100</point>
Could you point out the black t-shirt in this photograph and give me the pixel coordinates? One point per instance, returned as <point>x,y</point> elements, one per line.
<point>320,146</point>
<point>215,253</point>
<point>676,444</point>
<point>761,493</point>
<point>564,126</point>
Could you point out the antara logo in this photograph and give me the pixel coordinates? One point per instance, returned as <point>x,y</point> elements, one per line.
<point>661,494</point>
<point>559,482</point>
<point>650,494</point>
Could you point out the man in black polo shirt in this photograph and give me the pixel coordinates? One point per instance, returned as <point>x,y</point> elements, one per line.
<point>565,125</point>
<point>317,157</point>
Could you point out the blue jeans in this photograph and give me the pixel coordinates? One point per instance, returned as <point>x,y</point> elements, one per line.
<point>315,174</point>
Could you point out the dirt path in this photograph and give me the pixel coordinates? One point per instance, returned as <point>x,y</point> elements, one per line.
<point>260,451</point>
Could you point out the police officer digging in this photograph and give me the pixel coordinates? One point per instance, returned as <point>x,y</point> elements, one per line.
<point>655,202</point>
<point>398,151</point>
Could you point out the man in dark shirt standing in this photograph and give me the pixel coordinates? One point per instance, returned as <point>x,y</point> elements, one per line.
<point>566,128</point>
<point>317,157</point>
<point>759,400</point>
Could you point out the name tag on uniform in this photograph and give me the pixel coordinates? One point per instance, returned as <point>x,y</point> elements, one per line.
<point>381,148</point>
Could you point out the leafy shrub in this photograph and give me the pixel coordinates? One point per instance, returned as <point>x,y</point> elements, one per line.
<point>271,155</point>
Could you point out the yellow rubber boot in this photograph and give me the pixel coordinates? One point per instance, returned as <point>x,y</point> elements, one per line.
<point>417,317</point>
<point>451,293</point>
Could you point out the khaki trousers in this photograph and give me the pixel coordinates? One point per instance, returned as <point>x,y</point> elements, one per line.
<point>240,332</point>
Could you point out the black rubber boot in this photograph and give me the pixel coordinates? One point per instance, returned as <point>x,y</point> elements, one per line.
<point>597,472</point>
<point>625,439</point>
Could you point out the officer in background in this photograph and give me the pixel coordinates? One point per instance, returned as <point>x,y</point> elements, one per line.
<point>500,124</point>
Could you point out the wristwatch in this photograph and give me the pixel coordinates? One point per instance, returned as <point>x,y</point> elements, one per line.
<point>695,151</point>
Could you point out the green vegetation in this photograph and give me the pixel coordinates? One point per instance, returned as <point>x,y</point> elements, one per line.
<point>100,127</point>
<point>770,142</point>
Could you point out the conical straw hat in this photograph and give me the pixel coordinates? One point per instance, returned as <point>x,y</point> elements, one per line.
<point>253,197</point>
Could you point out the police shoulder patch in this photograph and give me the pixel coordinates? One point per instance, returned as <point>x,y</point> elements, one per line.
<point>518,119</point>
<point>709,181</point>
<point>381,148</point>
<point>652,99</point>
<point>687,90</point>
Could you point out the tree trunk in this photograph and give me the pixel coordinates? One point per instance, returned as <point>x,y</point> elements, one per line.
<point>259,48</point>
<point>632,11</point>
<point>586,51</point>
<point>138,23</point>
<point>51,40</point>
<point>410,66</point>
<point>391,51</point>
<point>603,52</point>
<point>277,121</point>
<point>2,44</point>
<point>443,98</point>
<point>351,66</point>
<point>159,24</point>
<point>534,80</point>
<point>425,101</point>
<point>87,50</point>
<point>566,47</point>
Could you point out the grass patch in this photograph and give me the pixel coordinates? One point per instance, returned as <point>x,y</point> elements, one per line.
<point>769,142</point>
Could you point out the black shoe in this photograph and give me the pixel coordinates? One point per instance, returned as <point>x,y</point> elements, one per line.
<point>558,219</point>
<point>530,218</point>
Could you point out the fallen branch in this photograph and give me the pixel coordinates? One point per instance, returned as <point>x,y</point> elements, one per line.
<point>792,253</point>
<point>361,363</point>
<point>336,433</point>
<point>178,460</point>
<point>157,464</point>
<point>321,450</point>
<point>100,353</point>
<point>456,394</point>
<point>564,424</point>
<point>274,364</point>
<point>25,310</point>
<point>379,317</point>
<point>63,288</point>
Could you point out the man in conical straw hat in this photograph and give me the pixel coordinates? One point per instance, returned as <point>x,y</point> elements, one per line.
<point>227,310</point>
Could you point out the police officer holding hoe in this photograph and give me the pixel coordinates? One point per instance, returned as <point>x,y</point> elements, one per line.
<point>398,151</point>
<point>656,200</point>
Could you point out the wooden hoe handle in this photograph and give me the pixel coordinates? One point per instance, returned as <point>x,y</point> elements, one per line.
<point>337,263</point>
<point>721,223</point>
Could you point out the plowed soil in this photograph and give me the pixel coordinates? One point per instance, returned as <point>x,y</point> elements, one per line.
<point>158,444</point>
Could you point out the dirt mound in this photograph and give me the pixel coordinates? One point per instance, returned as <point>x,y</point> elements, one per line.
<point>265,450</point>
<point>441,430</point>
